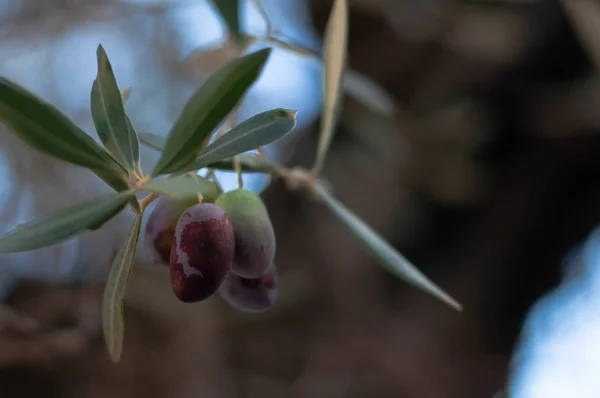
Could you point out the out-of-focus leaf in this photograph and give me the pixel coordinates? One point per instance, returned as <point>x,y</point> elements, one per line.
<point>125,94</point>
<point>230,13</point>
<point>389,257</point>
<point>257,131</point>
<point>184,186</point>
<point>153,141</point>
<point>112,123</point>
<point>334,58</point>
<point>368,93</point>
<point>43,127</point>
<point>207,108</point>
<point>201,61</point>
<point>65,223</point>
<point>585,17</point>
<point>113,321</point>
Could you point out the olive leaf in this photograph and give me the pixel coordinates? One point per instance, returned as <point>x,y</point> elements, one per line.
<point>46,129</point>
<point>369,93</point>
<point>389,257</point>
<point>257,131</point>
<point>248,164</point>
<point>207,108</point>
<point>184,186</point>
<point>584,16</point>
<point>112,123</point>
<point>153,141</point>
<point>230,13</point>
<point>113,321</point>
<point>65,223</point>
<point>334,58</point>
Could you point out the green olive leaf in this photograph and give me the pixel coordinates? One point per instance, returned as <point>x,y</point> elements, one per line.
<point>334,58</point>
<point>153,141</point>
<point>46,129</point>
<point>259,130</point>
<point>112,123</point>
<point>389,257</point>
<point>249,164</point>
<point>207,107</point>
<point>65,223</point>
<point>184,186</point>
<point>229,10</point>
<point>113,319</point>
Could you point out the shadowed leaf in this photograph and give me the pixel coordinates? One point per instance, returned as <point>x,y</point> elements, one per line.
<point>113,322</point>
<point>207,108</point>
<point>389,257</point>
<point>46,129</point>
<point>257,131</point>
<point>230,13</point>
<point>112,123</point>
<point>57,227</point>
<point>334,58</point>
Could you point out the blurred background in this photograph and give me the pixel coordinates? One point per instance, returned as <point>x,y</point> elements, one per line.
<point>468,138</point>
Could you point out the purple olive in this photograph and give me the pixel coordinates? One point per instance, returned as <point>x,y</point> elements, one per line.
<point>202,253</point>
<point>160,228</point>
<point>251,294</point>
<point>254,235</point>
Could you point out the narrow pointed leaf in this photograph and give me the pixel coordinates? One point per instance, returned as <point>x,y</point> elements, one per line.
<point>65,223</point>
<point>369,93</point>
<point>230,13</point>
<point>203,112</point>
<point>113,321</point>
<point>257,131</point>
<point>43,127</point>
<point>112,123</point>
<point>184,186</point>
<point>334,54</point>
<point>249,164</point>
<point>153,141</point>
<point>389,257</point>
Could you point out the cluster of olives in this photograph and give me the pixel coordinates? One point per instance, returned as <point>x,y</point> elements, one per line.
<point>226,246</point>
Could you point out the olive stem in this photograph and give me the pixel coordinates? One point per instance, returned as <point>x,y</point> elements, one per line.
<point>147,200</point>
<point>265,16</point>
<point>238,170</point>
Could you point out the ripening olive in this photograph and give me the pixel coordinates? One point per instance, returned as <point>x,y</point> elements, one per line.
<point>202,252</point>
<point>254,234</point>
<point>160,228</point>
<point>250,294</point>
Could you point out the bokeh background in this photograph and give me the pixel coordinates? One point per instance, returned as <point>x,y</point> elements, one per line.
<point>476,155</point>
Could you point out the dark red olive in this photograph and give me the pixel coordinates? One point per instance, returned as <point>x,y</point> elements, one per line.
<point>251,294</point>
<point>202,253</point>
<point>160,228</point>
